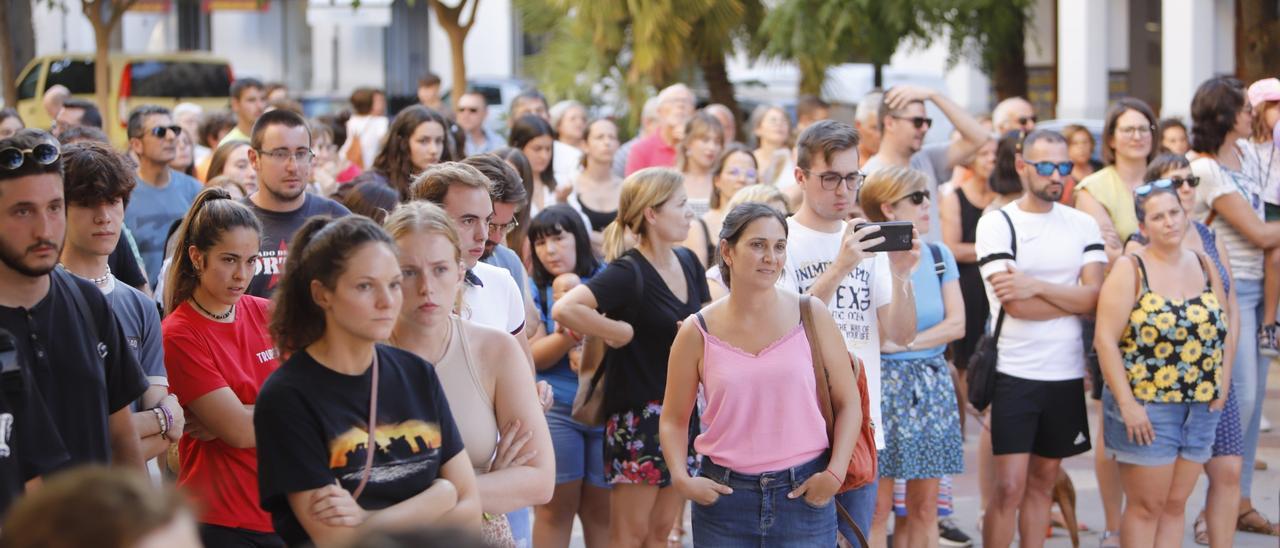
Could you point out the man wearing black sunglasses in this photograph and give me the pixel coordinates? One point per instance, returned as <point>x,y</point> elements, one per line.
<point>472,112</point>
<point>162,195</point>
<point>903,125</point>
<point>1014,114</point>
<point>68,343</point>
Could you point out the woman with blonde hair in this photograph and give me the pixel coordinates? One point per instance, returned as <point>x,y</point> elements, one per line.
<point>635,305</point>
<point>696,156</point>
<point>501,422</point>
<point>921,419</point>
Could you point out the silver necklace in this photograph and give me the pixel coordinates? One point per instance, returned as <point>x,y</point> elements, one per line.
<point>99,281</point>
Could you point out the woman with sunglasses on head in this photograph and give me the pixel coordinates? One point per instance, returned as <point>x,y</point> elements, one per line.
<point>563,259</point>
<point>501,422</point>
<point>342,393</point>
<point>1230,198</point>
<point>1223,468</point>
<point>1128,145</point>
<point>918,403</point>
<point>1162,339</point>
<point>218,353</point>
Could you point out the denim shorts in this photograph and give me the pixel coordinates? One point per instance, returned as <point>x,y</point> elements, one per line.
<point>1182,430</point>
<point>758,512</point>
<point>579,448</point>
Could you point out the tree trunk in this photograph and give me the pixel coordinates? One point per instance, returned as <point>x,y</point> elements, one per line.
<point>812,77</point>
<point>877,76</point>
<point>718,83</point>
<point>1256,42</point>
<point>101,70</point>
<point>450,19</point>
<point>456,41</point>
<point>1010,62</point>
<point>7,71</point>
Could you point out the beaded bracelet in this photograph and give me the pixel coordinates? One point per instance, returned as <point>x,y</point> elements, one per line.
<point>168,418</point>
<point>160,419</point>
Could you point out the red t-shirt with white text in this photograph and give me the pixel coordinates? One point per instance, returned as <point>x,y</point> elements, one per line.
<point>201,356</point>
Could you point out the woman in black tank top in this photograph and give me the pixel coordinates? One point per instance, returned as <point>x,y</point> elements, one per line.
<point>959,215</point>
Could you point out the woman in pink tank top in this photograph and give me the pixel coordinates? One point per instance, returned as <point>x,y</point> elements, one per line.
<point>769,471</point>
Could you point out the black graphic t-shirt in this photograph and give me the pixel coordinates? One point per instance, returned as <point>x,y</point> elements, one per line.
<point>312,428</point>
<point>30,445</point>
<point>277,229</point>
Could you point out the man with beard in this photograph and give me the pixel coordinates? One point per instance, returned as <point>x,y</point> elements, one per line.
<point>69,345</point>
<point>162,195</point>
<point>280,151</point>
<point>1041,277</point>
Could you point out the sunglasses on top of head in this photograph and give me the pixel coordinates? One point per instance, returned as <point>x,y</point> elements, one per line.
<point>43,154</point>
<point>1046,169</point>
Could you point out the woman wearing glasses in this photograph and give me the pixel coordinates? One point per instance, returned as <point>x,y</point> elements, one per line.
<point>918,403</point>
<point>1107,195</point>
<point>1229,196</point>
<point>735,169</point>
<point>1162,341</point>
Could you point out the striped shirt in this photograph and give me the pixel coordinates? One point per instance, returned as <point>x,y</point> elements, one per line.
<point>1217,181</point>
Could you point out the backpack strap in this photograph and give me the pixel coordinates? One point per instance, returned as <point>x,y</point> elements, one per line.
<point>939,265</point>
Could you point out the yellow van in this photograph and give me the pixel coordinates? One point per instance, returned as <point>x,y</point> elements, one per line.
<point>164,79</point>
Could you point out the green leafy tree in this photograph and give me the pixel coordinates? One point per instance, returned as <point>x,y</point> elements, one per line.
<point>817,34</point>
<point>992,32</point>
<point>1258,42</point>
<point>630,46</point>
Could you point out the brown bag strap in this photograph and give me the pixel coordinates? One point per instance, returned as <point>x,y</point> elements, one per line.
<point>819,367</point>
<point>857,531</point>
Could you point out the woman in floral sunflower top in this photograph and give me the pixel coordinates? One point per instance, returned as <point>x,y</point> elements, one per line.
<point>1160,340</point>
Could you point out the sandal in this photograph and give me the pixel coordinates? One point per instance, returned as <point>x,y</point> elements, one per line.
<point>1201,530</point>
<point>1110,539</point>
<point>1266,528</point>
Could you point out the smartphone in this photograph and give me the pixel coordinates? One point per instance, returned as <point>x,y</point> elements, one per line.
<point>897,235</point>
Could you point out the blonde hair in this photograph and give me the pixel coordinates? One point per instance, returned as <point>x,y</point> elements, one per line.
<point>758,193</point>
<point>422,217</point>
<point>700,125</point>
<point>425,218</point>
<point>886,186</point>
<point>648,188</point>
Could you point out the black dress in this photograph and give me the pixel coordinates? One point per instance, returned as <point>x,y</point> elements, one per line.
<point>976,308</point>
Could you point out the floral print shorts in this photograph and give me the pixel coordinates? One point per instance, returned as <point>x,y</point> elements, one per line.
<point>631,451</point>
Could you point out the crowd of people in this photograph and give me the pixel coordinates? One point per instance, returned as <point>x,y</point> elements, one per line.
<point>352,327</point>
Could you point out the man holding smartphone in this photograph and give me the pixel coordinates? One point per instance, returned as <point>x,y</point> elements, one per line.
<point>868,293</point>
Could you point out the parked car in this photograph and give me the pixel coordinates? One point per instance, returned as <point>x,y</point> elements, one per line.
<point>164,79</point>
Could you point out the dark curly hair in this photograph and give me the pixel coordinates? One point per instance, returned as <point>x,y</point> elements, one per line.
<point>1213,112</point>
<point>394,160</point>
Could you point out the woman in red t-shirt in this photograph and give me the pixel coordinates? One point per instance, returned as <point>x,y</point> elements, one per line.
<point>218,352</point>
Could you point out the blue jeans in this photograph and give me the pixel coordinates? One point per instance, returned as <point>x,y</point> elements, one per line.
<point>861,504</point>
<point>579,448</point>
<point>1182,430</point>
<point>1249,375</point>
<point>522,527</point>
<point>758,512</point>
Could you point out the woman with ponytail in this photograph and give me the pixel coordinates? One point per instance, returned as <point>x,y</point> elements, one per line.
<point>340,394</point>
<point>218,352</point>
<point>635,305</point>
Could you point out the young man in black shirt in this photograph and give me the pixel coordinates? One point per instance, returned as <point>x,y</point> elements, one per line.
<point>63,328</point>
<point>280,151</point>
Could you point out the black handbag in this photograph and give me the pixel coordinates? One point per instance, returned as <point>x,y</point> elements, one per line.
<point>981,373</point>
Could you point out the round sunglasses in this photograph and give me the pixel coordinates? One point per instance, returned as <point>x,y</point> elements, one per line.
<point>43,154</point>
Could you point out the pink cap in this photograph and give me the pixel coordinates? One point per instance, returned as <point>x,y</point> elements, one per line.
<point>1267,89</point>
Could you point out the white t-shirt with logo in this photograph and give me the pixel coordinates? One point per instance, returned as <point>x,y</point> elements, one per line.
<point>856,300</point>
<point>495,301</point>
<point>1053,247</point>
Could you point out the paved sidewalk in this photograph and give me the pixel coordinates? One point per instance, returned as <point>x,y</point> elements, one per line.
<point>1266,487</point>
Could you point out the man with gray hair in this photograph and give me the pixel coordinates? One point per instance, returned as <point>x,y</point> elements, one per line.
<point>648,126</point>
<point>866,119</point>
<point>675,107</point>
<point>1014,114</point>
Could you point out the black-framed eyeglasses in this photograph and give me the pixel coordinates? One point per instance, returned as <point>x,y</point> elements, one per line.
<point>160,132</point>
<point>830,179</point>
<point>505,229</point>
<point>1190,180</point>
<point>1024,120</point>
<point>1046,169</point>
<point>917,121</point>
<point>918,197</point>
<point>282,156</point>
<point>1136,131</point>
<point>43,154</point>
